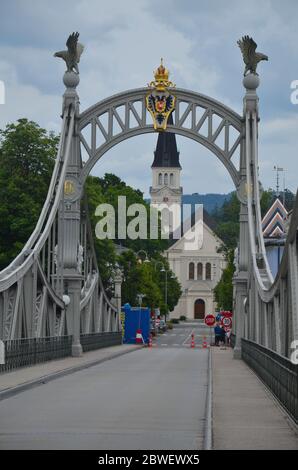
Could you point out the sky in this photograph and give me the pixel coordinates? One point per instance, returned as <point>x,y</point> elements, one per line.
<point>123,45</point>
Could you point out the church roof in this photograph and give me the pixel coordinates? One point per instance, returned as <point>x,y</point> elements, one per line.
<point>273,223</point>
<point>166,153</point>
<point>190,222</point>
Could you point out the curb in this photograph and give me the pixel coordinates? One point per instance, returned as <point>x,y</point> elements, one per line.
<point>208,423</point>
<point>9,392</point>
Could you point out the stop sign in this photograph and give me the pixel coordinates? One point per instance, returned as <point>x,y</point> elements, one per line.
<point>209,320</point>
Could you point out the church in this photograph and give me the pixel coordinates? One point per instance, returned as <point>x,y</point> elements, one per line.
<point>198,270</point>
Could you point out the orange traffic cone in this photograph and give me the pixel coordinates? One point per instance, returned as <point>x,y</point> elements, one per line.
<point>204,345</point>
<point>192,344</point>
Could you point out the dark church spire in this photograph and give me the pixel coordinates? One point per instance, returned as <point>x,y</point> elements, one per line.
<point>166,153</point>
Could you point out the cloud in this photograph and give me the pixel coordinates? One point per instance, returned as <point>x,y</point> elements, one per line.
<point>124,42</point>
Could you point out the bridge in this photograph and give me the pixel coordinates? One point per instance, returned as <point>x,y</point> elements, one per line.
<point>52,300</point>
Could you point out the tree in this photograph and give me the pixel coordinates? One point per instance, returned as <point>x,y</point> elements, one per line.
<point>27,156</point>
<point>227,219</point>
<point>104,249</point>
<point>112,187</point>
<point>107,190</point>
<point>223,291</point>
<point>140,277</point>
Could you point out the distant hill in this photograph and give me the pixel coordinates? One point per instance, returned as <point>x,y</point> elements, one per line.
<point>210,201</point>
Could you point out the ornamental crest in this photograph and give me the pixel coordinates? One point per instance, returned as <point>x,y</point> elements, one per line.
<point>159,101</point>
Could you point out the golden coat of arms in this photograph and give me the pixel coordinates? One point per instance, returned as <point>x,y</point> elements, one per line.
<point>159,101</point>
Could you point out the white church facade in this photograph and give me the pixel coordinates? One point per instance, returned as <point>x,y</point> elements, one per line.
<point>198,270</point>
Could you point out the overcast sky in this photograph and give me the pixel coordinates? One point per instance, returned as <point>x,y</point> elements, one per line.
<point>124,41</point>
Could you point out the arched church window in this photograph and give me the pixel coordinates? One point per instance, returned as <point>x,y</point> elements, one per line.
<point>191,271</point>
<point>160,179</point>
<point>199,271</point>
<point>208,271</point>
<point>171,179</point>
<point>166,178</point>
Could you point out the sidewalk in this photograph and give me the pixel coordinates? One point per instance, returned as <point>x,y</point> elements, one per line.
<point>245,416</point>
<point>27,377</point>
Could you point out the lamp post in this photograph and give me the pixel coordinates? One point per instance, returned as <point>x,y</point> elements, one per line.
<point>146,260</point>
<point>166,271</point>
<point>140,299</point>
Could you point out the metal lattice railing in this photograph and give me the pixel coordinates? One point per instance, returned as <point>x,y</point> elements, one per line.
<point>30,351</point>
<point>93,341</point>
<point>277,372</point>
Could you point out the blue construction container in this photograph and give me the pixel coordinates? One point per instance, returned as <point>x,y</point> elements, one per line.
<point>134,318</point>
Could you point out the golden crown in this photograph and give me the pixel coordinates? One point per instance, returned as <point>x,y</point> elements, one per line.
<point>161,75</point>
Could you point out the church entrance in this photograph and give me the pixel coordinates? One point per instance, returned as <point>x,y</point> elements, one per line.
<point>199,313</point>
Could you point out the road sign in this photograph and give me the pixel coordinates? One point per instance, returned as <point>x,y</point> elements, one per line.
<point>226,322</point>
<point>209,320</point>
<point>226,313</point>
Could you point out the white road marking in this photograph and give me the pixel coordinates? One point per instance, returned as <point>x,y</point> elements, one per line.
<point>188,337</point>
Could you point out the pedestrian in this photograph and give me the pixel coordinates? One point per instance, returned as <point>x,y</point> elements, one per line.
<point>223,335</point>
<point>217,333</point>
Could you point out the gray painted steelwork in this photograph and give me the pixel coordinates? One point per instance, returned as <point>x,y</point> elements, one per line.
<point>53,286</point>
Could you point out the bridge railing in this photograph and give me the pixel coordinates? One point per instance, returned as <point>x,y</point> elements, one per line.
<point>30,351</point>
<point>93,341</point>
<point>26,352</point>
<point>276,371</point>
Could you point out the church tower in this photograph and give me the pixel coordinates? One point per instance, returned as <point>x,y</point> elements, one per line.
<point>166,191</point>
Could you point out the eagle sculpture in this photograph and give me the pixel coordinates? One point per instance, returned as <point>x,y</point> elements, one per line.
<point>73,53</point>
<point>251,58</point>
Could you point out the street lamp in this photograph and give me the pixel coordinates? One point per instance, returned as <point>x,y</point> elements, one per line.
<point>140,300</point>
<point>146,260</point>
<point>166,271</point>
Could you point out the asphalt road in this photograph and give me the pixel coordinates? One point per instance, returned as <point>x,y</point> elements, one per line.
<point>153,398</point>
<point>180,336</point>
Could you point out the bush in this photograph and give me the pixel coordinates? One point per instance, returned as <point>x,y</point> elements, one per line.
<point>169,325</point>
<point>182,318</point>
<point>175,320</point>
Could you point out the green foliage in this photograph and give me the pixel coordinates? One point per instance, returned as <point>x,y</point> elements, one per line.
<point>227,219</point>
<point>143,278</point>
<point>104,249</point>
<point>266,201</point>
<point>223,292</point>
<point>27,156</point>
<point>289,199</point>
<point>112,188</point>
<point>138,277</point>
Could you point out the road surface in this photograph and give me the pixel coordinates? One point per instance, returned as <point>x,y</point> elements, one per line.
<point>149,399</point>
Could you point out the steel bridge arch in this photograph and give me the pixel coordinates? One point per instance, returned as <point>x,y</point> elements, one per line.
<point>199,111</point>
